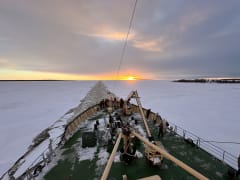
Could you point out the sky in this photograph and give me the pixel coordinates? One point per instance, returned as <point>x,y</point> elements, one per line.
<point>83,40</point>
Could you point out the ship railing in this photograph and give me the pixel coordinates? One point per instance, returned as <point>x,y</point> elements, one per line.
<point>209,147</point>
<point>48,154</point>
<point>43,159</point>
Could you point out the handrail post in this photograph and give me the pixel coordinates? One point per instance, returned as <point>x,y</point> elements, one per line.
<point>223,156</point>
<point>198,142</point>
<point>175,129</point>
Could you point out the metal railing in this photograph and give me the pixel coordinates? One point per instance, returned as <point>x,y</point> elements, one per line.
<point>43,159</point>
<point>211,148</point>
<point>46,155</point>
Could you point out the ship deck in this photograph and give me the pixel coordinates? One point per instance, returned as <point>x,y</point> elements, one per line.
<point>75,162</point>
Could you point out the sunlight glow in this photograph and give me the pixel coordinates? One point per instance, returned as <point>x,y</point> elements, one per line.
<point>110,33</point>
<point>113,36</point>
<point>12,74</point>
<point>131,78</point>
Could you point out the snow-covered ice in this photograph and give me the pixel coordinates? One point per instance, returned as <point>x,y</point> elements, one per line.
<point>210,111</point>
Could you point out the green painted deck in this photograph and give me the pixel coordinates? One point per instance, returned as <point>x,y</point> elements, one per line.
<point>70,167</point>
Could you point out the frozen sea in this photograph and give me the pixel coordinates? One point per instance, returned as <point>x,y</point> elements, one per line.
<point>210,111</point>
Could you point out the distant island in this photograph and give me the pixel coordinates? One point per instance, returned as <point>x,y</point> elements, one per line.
<point>209,80</point>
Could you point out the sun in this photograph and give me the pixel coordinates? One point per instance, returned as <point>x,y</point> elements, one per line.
<point>131,78</point>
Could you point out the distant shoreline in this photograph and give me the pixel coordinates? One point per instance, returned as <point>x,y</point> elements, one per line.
<point>77,80</point>
<point>210,80</point>
<point>32,80</point>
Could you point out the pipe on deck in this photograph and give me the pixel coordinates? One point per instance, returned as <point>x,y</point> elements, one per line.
<point>135,95</point>
<point>110,160</point>
<point>171,158</point>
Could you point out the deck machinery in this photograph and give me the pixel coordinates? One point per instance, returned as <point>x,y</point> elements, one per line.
<point>154,150</point>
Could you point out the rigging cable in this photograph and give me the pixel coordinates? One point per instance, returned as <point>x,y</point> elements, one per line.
<point>126,39</point>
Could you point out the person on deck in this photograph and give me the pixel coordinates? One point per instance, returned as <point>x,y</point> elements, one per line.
<point>121,103</point>
<point>160,132</point>
<point>148,113</point>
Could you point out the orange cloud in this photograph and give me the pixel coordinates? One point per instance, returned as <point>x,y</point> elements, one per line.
<point>115,36</point>
<point>148,45</point>
<point>108,33</point>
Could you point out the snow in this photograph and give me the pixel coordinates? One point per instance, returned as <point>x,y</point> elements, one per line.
<point>94,96</point>
<point>32,156</point>
<point>102,157</point>
<point>86,153</point>
<point>89,153</point>
<point>27,108</point>
<point>55,131</point>
<point>210,111</point>
<point>53,163</point>
<point>155,160</point>
<point>140,129</point>
<point>139,154</point>
<point>117,157</point>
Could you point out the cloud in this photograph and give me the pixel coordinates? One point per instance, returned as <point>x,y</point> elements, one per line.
<point>87,38</point>
<point>4,63</point>
<point>195,18</point>
<point>4,39</point>
<point>117,36</point>
<point>153,46</point>
<point>158,44</point>
<point>109,34</point>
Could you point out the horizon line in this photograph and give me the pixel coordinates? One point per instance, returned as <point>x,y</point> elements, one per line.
<point>75,79</point>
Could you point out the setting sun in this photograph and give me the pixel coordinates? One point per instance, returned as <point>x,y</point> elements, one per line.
<point>131,78</point>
